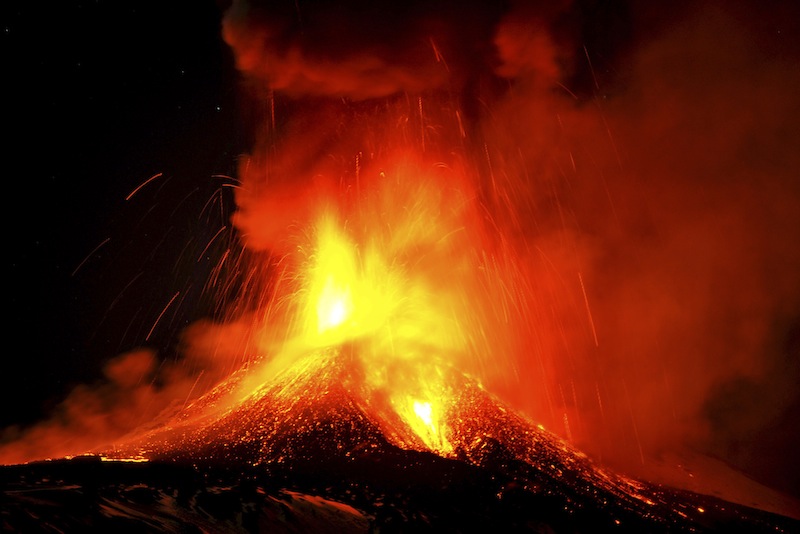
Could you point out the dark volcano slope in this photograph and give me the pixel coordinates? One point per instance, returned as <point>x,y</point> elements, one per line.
<point>310,431</point>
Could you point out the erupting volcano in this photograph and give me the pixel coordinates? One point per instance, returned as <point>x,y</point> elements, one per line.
<point>405,302</point>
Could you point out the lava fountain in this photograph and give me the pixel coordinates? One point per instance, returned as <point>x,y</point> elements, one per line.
<point>396,266</point>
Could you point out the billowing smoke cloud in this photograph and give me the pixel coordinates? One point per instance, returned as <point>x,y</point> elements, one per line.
<point>91,415</point>
<point>677,197</point>
<point>137,388</point>
<point>642,162</point>
<point>693,263</point>
<point>358,49</point>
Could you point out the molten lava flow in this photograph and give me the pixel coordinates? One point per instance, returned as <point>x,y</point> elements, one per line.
<point>392,278</point>
<point>431,431</point>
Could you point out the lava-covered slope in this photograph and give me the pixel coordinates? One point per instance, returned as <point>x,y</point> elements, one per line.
<point>312,429</point>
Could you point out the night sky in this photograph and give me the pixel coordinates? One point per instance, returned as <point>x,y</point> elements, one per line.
<point>693,262</point>
<point>101,96</point>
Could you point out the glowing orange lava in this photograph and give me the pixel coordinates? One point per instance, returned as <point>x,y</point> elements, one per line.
<point>397,274</point>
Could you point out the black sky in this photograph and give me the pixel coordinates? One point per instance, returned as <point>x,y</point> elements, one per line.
<point>99,97</point>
